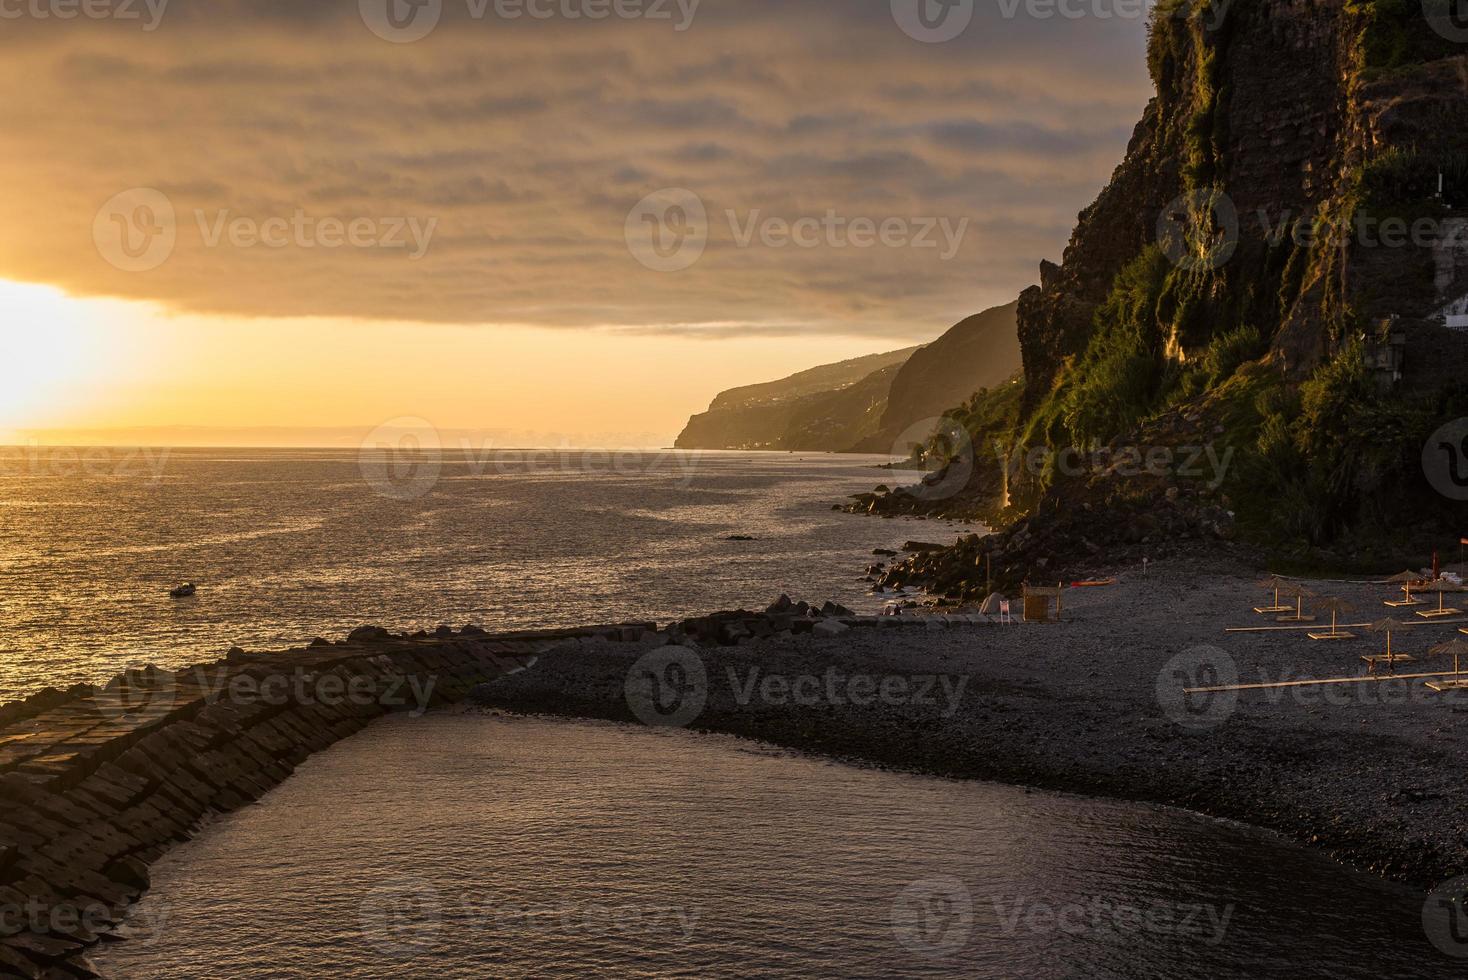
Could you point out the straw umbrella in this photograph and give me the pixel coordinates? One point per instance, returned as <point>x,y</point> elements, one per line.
<point>1442,587</point>
<point>1336,606</point>
<point>1455,648</point>
<point>1388,626</point>
<point>1405,579</point>
<point>1274,583</point>
<point>1300,594</point>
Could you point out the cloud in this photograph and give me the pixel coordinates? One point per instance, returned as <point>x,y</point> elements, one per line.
<point>525,144</point>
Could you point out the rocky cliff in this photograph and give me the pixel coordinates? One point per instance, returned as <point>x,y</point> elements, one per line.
<point>868,404</point>
<point>1269,275</point>
<point>825,408</point>
<point>981,351</point>
<point>1284,133</point>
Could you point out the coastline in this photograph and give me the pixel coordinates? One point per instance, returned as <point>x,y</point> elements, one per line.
<point>1365,773</point>
<point>102,781</point>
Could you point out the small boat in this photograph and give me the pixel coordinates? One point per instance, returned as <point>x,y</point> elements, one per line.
<point>183,591</point>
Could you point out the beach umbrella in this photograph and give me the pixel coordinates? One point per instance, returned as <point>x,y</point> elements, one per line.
<point>1300,593</point>
<point>1336,606</point>
<point>1274,583</point>
<point>1454,648</point>
<point>1405,580</point>
<point>1388,626</point>
<point>1442,587</point>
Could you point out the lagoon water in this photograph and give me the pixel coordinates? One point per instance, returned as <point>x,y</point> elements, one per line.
<point>463,845</point>
<point>289,544</point>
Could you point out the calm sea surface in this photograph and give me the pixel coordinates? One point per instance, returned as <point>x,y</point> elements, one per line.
<point>287,545</point>
<point>473,846</point>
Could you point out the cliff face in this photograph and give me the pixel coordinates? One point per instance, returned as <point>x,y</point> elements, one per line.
<point>1269,113</point>
<point>1272,279</point>
<point>981,351</point>
<point>827,408</point>
<point>1270,130</point>
<point>868,404</point>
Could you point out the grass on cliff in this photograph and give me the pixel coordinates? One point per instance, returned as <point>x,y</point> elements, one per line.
<point>1318,463</point>
<point>1330,459</point>
<point>1163,337</point>
<point>1396,34</point>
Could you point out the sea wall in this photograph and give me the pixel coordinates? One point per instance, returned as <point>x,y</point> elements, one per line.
<point>96,783</point>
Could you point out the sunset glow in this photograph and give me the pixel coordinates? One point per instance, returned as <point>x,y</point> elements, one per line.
<point>101,371</point>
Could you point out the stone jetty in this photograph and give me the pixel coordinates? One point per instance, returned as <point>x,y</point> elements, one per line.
<point>96,783</point>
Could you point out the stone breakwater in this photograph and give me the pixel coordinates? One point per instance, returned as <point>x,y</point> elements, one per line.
<point>96,783</point>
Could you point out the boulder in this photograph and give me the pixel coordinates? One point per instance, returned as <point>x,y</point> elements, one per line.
<point>368,634</point>
<point>829,627</point>
<point>129,871</point>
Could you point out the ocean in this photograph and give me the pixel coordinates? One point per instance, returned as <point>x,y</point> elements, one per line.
<point>286,545</point>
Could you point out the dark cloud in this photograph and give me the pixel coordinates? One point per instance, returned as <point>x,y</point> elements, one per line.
<point>526,144</point>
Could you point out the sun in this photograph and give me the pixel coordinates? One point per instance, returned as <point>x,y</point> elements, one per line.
<point>53,346</point>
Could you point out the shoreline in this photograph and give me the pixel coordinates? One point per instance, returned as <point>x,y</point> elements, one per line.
<point>1366,775</point>
<point>102,781</point>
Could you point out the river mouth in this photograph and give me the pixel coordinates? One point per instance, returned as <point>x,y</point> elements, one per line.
<point>469,845</point>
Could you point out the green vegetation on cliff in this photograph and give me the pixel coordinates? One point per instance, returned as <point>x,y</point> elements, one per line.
<point>1275,339</point>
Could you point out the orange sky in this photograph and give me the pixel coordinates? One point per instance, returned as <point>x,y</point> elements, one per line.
<point>104,364</point>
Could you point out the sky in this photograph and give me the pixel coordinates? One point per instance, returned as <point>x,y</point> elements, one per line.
<point>277,218</point>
